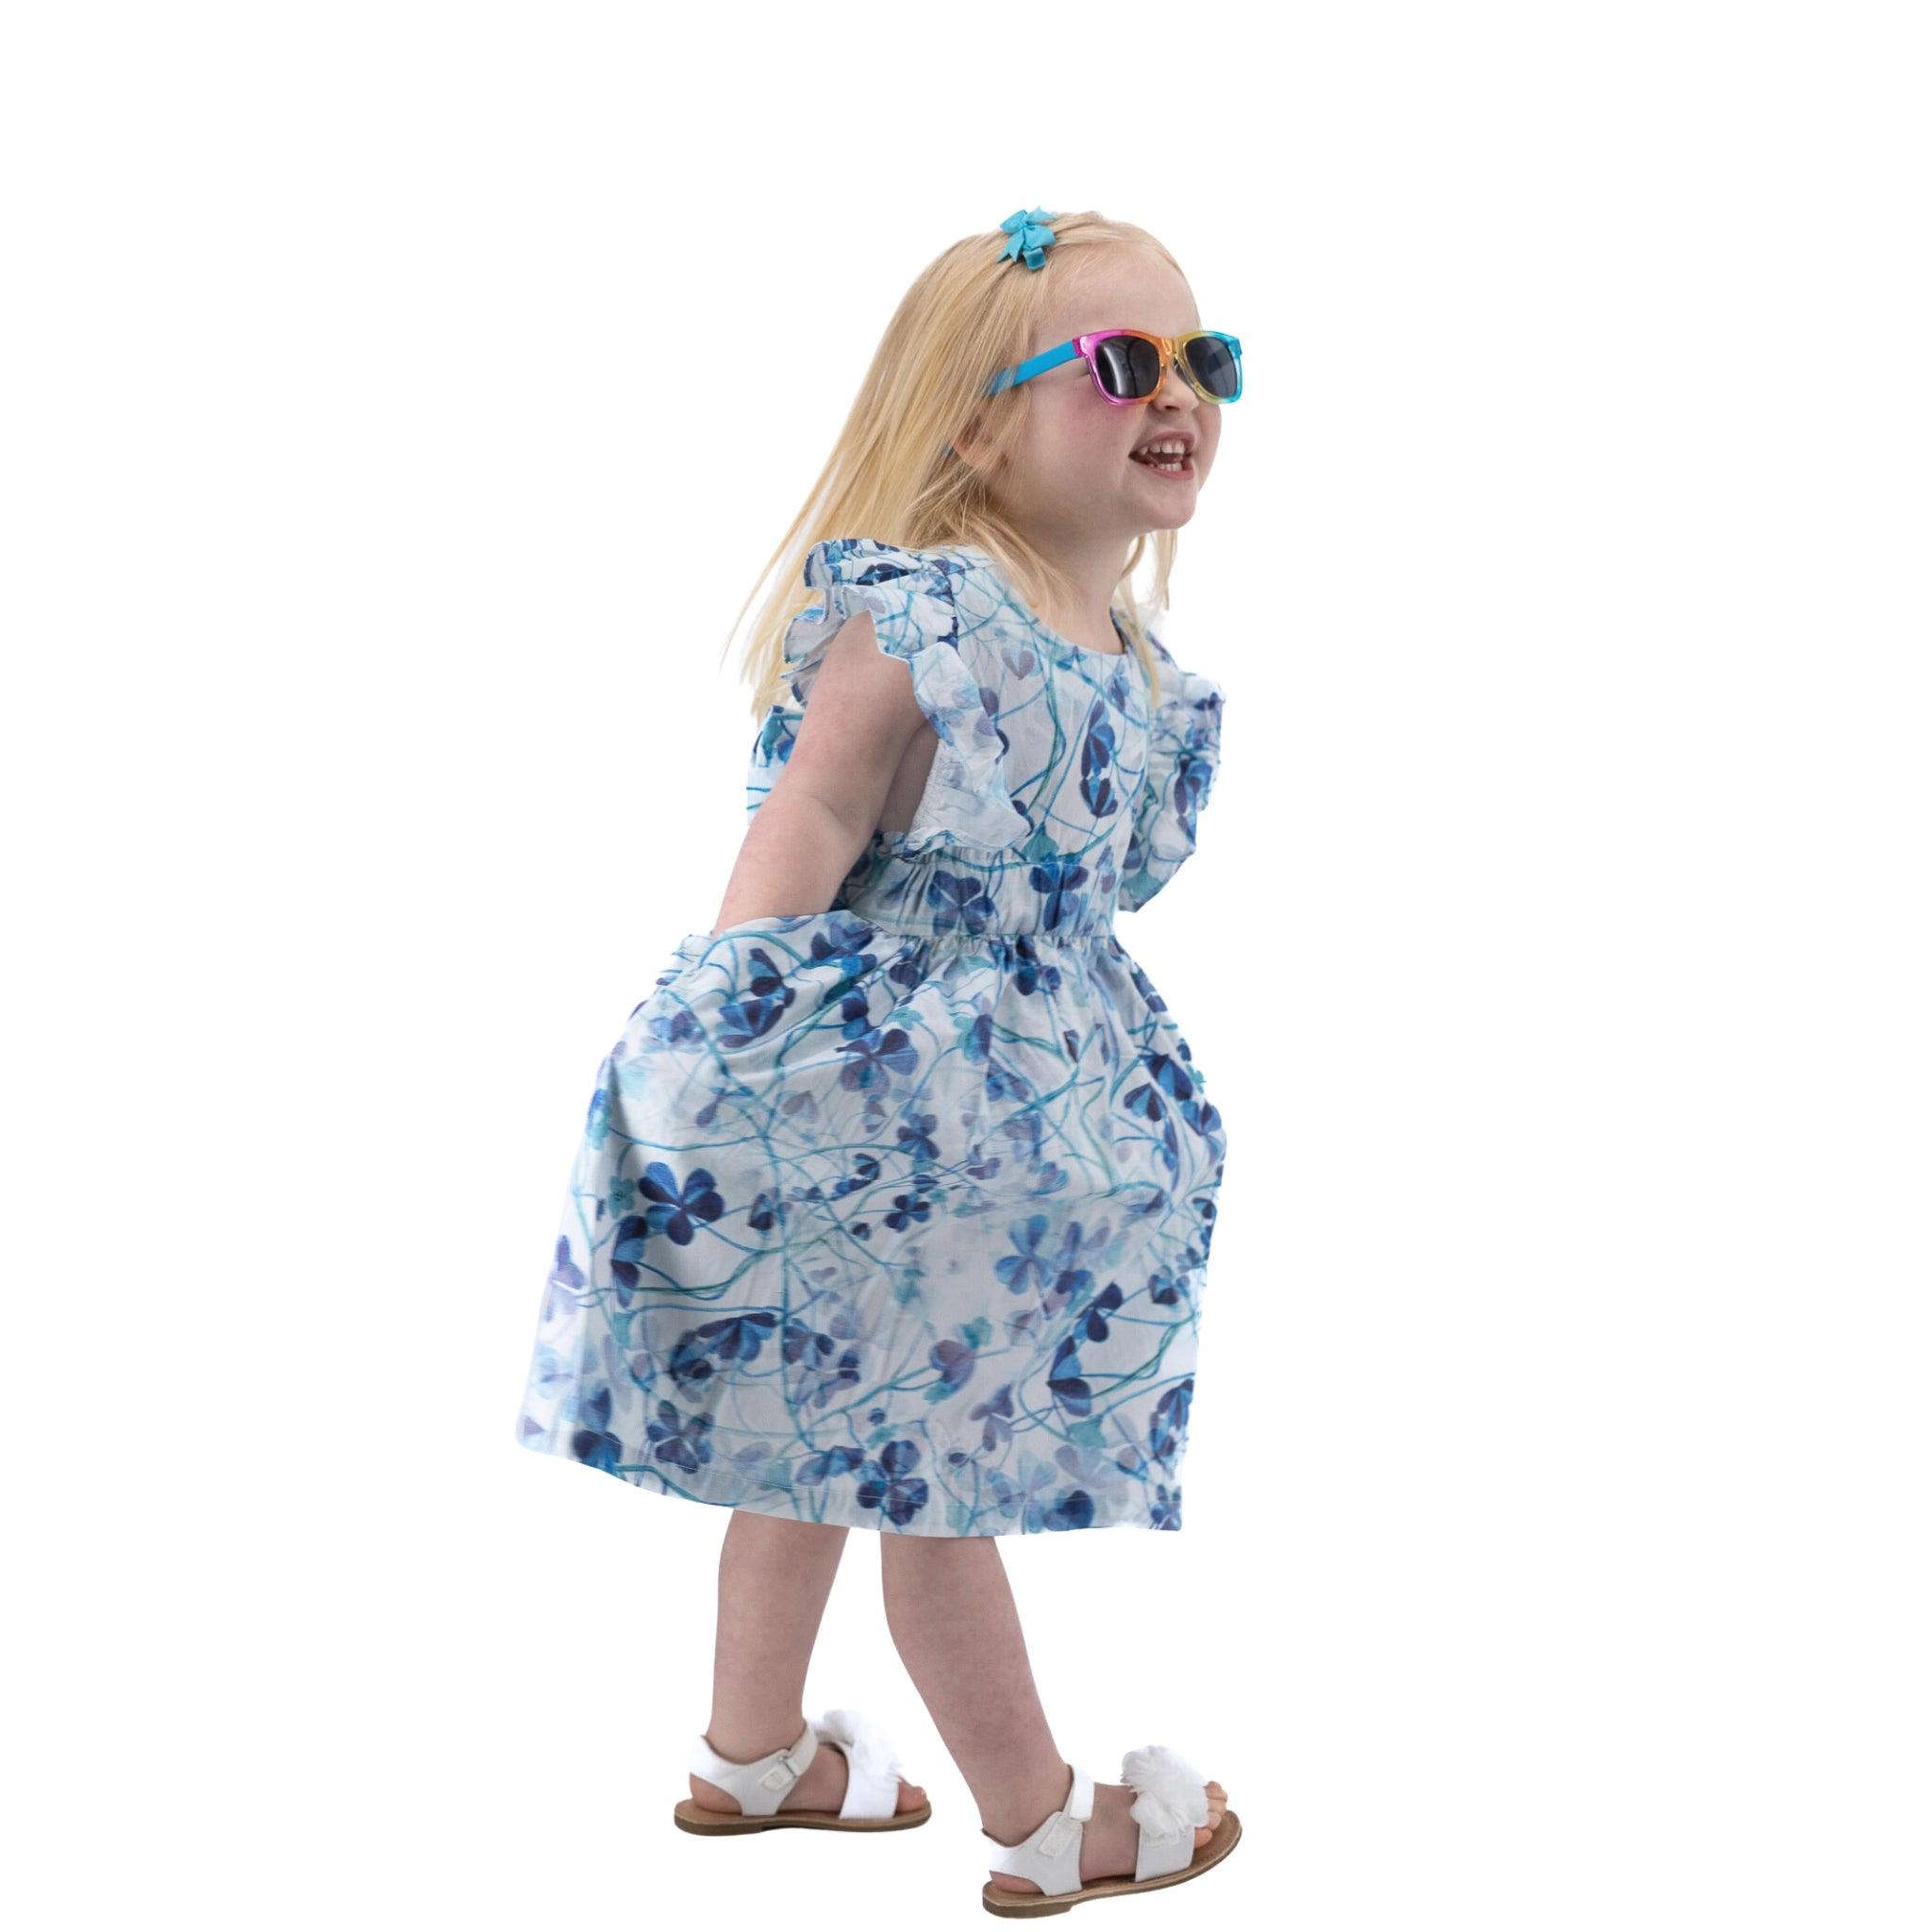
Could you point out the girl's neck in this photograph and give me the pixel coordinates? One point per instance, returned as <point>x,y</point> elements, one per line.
<point>1094,571</point>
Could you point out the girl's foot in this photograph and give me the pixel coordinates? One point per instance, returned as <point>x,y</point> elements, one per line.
<point>1110,1841</point>
<point>821,1787</point>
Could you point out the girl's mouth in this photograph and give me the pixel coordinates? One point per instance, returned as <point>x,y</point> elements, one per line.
<point>1168,465</point>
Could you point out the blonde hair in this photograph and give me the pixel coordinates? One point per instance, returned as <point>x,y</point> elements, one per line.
<point>894,475</point>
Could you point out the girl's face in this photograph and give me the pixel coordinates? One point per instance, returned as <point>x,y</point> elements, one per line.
<point>1073,481</point>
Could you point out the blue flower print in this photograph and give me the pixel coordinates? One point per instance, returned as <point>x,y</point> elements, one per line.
<point>564,1272</point>
<point>865,1171</point>
<point>955,1359</point>
<point>802,1342</point>
<point>1092,1323</point>
<point>1055,879</point>
<point>875,1057</point>
<point>830,1463</point>
<point>1170,1420</point>
<point>910,1209</point>
<point>825,1372</point>
<point>689,1363</point>
<point>679,1028</point>
<point>997,1414</point>
<point>1058,1281</point>
<point>626,1252</point>
<point>591,1440</point>
<point>1096,763</point>
<point>1170,1075</point>
<point>684,1440</point>
<point>1083,1458</point>
<point>738,1337</point>
<point>1145,1101</point>
<point>959,902</point>
<point>1049,1502</point>
<point>1192,777</point>
<point>1026,1267</point>
<point>843,946</point>
<point>676,1205</point>
<point>1065,1383</point>
<point>1070,1510</point>
<point>890,570</point>
<point>827,1384</point>
<point>759,1007</point>
<point>1006,1502</point>
<point>549,1373</point>
<point>888,1483</point>
<point>1031,972</point>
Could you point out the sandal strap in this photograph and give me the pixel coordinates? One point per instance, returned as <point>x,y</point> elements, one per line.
<point>873,1768</point>
<point>1049,1855</point>
<point>759,1786</point>
<point>1169,1800</point>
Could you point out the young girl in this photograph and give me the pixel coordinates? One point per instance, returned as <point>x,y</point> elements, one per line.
<point>893,1204</point>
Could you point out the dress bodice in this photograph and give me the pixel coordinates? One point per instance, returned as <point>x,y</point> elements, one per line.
<point>1062,788</point>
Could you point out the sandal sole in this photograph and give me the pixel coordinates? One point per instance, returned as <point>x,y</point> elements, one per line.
<point>689,1815</point>
<point>1004,1904</point>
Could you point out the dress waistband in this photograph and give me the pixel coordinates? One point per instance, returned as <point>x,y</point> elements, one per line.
<point>843,925</point>
<point>964,936</point>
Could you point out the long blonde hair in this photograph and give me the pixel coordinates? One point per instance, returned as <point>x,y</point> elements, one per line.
<point>894,475</point>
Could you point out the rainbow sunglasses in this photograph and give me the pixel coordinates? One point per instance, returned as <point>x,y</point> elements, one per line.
<point>1129,366</point>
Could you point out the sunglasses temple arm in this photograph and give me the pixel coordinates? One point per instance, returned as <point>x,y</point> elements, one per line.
<point>1034,365</point>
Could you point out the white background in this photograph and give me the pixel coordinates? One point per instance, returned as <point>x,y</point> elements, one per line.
<point>399,402</point>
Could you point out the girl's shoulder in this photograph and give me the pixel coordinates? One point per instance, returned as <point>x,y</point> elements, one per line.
<point>945,601</point>
<point>925,611</point>
<point>914,596</point>
<point>884,573</point>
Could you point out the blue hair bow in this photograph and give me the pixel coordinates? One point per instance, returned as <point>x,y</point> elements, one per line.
<point>1028,238</point>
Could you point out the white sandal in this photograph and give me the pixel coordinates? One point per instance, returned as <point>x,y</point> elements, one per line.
<point>872,1783</point>
<point>1170,1801</point>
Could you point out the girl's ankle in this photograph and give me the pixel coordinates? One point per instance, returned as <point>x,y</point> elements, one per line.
<point>747,1748</point>
<point>1021,1809</point>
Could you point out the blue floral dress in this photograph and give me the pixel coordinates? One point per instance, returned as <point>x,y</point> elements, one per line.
<point>897,1215</point>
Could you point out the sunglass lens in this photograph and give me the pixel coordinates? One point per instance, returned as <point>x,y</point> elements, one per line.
<point>1128,367</point>
<point>1215,367</point>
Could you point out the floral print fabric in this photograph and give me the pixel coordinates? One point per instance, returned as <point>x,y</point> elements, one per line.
<point>897,1215</point>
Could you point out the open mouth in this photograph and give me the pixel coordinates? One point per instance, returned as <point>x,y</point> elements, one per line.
<point>1166,458</point>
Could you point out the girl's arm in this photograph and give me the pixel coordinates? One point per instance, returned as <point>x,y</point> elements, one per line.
<point>827,799</point>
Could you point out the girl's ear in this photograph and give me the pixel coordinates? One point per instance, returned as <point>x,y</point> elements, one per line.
<point>965,444</point>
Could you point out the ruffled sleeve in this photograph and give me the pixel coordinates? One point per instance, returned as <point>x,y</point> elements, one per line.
<point>1183,755</point>
<point>910,594</point>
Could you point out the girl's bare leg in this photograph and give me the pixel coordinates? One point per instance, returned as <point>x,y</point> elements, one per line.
<point>774,1577</point>
<point>952,1615</point>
